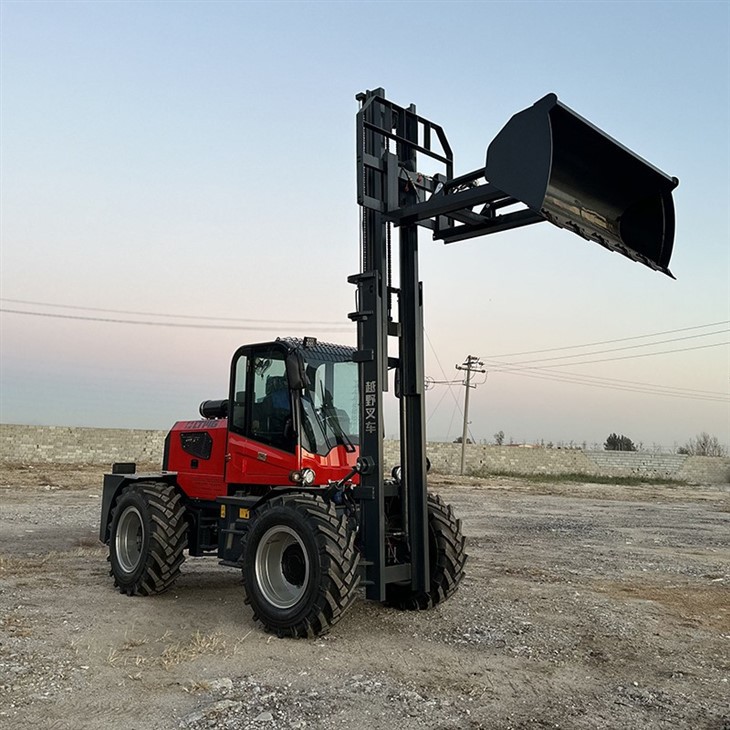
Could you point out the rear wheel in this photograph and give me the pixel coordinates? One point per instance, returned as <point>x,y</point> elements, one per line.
<point>148,535</point>
<point>299,565</point>
<point>447,556</point>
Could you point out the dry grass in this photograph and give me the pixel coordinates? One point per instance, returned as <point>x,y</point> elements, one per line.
<point>17,626</point>
<point>198,645</point>
<point>50,476</point>
<point>52,562</point>
<point>11,565</point>
<point>61,477</point>
<point>703,605</point>
<point>139,651</point>
<point>577,477</point>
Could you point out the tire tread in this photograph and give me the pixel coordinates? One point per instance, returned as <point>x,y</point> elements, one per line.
<point>338,560</point>
<point>448,568</point>
<point>168,539</point>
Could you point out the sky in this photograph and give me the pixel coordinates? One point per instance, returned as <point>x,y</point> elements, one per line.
<point>193,163</point>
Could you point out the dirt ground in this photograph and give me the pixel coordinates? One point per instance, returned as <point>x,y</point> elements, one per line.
<point>584,606</point>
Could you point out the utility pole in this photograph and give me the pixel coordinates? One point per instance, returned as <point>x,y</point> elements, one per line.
<point>472,364</point>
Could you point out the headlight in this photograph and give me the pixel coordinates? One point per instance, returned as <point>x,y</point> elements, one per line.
<point>305,477</point>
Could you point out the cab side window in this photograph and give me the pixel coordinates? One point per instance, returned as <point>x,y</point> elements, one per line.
<point>271,415</point>
<point>238,409</point>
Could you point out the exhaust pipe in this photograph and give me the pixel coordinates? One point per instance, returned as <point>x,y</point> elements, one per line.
<point>577,177</point>
<point>214,408</point>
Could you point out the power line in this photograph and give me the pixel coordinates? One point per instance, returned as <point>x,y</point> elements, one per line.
<point>535,371</point>
<point>620,339</point>
<point>616,349</point>
<point>544,376</point>
<point>614,383</point>
<point>443,372</point>
<point>650,386</point>
<point>604,382</point>
<point>627,385</point>
<point>509,368</point>
<point>327,328</point>
<point>556,377</point>
<point>457,406</point>
<point>435,408</point>
<point>172,316</point>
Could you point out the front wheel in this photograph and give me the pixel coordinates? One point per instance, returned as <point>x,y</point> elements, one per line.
<point>148,535</point>
<point>300,566</point>
<point>447,556</point>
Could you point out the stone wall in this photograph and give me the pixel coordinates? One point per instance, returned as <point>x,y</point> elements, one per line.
<point>446,458</point>
<point>71,445</point>
<point>61,444</point>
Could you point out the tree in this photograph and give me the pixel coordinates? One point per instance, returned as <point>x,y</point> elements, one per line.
<point>703,445</point>
<point>619,443</point>
<point>499,438</point>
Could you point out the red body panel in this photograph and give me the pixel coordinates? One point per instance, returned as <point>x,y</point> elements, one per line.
<point>206,481</point>
<point>336,465</point>
<point>234,459</point>
<point>255,463</point>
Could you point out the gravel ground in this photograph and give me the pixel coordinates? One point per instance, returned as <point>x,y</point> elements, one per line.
<point>584,606</point>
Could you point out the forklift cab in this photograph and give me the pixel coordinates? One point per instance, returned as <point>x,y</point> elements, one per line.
<point>291,404</point>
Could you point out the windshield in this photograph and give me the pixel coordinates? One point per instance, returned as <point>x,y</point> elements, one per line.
<point>330,406</point>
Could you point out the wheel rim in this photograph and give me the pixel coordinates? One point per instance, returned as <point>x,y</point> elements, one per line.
<point>129,539</point>
<point>282,567</point>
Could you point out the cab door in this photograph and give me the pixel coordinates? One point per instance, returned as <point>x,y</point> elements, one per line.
<point>262,439</point>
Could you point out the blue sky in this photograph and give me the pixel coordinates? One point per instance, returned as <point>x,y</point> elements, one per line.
<point>197,159</point>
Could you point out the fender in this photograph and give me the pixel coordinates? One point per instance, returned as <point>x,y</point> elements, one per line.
<point>237,513</point>
<point>113,485</point>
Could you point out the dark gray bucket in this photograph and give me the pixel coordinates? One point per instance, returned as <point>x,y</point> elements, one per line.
<point>576,176</point>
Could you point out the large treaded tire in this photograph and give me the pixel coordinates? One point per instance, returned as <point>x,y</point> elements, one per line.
<point>447,556</point>
<point>300,566</point>
<point>148,536</point>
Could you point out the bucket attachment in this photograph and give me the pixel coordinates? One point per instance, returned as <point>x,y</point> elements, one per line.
<point>577,177</point>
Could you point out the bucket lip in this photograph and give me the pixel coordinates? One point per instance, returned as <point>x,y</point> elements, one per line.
<point>551,100</point>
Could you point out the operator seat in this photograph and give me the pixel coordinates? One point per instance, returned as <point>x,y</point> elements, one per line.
<point>274,414</point>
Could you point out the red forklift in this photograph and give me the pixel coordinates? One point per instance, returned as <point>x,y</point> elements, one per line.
<point>284,479</point>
